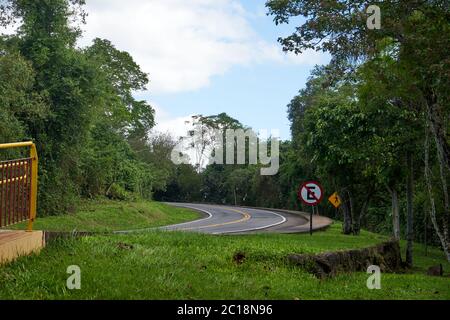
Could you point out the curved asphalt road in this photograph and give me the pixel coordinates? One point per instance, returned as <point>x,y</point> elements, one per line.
<point>227,220</point>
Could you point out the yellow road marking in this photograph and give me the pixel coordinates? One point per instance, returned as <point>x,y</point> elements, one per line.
<point>245,218</point>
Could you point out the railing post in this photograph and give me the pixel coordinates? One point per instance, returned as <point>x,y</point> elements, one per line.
<point>34,181</point>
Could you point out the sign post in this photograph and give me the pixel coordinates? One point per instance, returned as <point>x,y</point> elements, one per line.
<point>311,194</point>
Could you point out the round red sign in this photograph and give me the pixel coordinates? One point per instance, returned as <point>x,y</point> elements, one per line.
<point>311,193</point>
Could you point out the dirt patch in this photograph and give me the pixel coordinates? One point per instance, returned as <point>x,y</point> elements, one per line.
<point>239,258</point>
<point>125,246</point>
<point>436,271</point>
<point>386,255</point>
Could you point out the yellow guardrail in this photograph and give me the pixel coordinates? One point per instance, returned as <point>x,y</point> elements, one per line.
<point>18,187</point>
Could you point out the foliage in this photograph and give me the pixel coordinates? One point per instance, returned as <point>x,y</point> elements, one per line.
<point>102,215</point>
<point>180,265</point>
<point>399,79</point>
<point>354,124</point>
<point>76,104</point>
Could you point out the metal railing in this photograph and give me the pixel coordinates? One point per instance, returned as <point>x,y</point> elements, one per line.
<point>18,187</point>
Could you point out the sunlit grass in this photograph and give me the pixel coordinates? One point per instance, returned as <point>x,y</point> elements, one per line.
<point>105,215</point>
<point>161,265</point>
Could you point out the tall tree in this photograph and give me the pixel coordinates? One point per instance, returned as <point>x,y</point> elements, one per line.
<point>77,104</point>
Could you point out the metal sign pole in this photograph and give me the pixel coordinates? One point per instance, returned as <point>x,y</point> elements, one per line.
<point>310,221</point>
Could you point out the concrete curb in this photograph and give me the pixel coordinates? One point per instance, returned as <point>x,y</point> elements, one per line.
<point>17,243</point>
<point>319,222</point>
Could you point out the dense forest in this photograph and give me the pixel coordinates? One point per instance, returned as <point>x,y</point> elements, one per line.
<point>372,124</point>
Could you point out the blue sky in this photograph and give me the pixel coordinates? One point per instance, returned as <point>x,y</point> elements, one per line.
<point>206,57</point>
<point>257,96</point>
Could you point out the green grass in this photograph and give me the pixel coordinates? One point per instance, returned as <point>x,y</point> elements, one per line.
<point>163,265</point>
<point>105,215</point>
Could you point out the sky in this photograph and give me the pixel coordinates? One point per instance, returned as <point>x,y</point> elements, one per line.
<point>206,57</point>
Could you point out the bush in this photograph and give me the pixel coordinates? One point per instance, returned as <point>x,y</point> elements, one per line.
<point>117,192</point>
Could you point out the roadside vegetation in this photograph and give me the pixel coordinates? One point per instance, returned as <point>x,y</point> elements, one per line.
<point>372,125</point>
<point>104,215</point>
<point>162,265</point>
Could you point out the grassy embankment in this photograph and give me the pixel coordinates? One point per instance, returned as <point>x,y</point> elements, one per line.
<point>159,265</point>
<point>105,215</point>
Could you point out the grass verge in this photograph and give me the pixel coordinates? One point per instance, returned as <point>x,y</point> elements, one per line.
<point>162,265</point>
<point>106,215</point>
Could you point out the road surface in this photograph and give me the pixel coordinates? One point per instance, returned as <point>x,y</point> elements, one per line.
<point>219,219</point>
<point>235,220</point>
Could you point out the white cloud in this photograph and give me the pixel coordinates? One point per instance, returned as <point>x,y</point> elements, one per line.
<point>177,127</point>
<point>166,123</point>
<point>183,44</point>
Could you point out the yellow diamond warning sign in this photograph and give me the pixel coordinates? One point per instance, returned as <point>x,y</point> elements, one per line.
<point>335,200</point>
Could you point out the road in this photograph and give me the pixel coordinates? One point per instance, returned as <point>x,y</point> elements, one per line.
<point>235,220</point>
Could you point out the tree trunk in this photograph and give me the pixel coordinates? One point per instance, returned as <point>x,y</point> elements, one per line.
<point>410,212</point>
<point>346,207</point>
<point>442,236</point>
<point>395,212</point>
<point>362,213</point>
<point>426,233</point>
<point>435,120</point>
<point>443,176</point>
<point>438,129</point>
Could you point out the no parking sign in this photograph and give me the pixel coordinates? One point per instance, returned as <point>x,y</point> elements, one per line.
<point>311,193</point>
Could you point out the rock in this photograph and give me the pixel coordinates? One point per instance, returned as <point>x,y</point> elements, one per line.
<point>436,271</point>
<point>386,255</point>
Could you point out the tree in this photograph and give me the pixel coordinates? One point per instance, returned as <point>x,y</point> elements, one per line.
<point>202,141</point>
<point>65,78</point>
<point>76,104</point>
<point>18,105</point>
<point>418,29</point>
<point>121,77</point>
<point>417,33</point>
<point>238,181</point>
<point>336,140</point>
<point>382,90</point>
